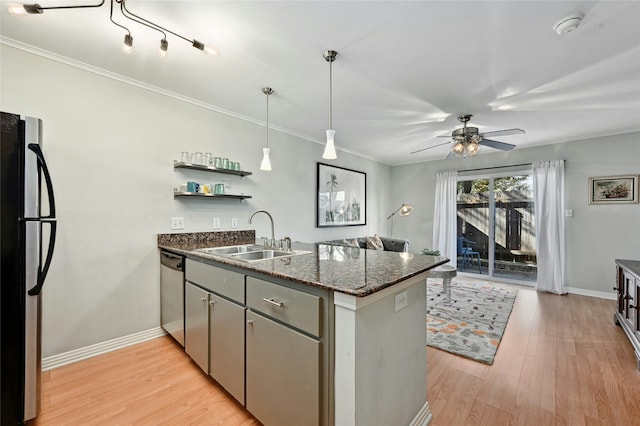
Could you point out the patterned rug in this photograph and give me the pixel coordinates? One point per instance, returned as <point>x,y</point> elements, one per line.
<point>473,322</point>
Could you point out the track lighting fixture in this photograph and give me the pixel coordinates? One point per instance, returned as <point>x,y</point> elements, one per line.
<point>34,9</point>
<point>330,148</point>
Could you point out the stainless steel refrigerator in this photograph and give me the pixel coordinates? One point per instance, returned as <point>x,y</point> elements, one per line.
<point>27,213</point>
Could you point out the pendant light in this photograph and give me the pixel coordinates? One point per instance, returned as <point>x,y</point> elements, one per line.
<point>266,162</point>
<point>330,148</point>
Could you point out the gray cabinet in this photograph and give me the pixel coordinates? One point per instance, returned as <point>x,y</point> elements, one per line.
<point>215,324</point>
<point>283,354</point>
<point>265,342</point>
<point>196,325</point>
<point>283,373</point>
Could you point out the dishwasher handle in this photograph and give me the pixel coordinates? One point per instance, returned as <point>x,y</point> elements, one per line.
<point>172,261</point>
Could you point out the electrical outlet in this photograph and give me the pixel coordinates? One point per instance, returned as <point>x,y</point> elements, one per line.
<point>177,223</point>
<point>401,300</point>
<point>234,223</point>
<point>216,223</point>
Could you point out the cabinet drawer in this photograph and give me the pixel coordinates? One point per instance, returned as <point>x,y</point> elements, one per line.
<point>226,283</point>
<point>299,309</point>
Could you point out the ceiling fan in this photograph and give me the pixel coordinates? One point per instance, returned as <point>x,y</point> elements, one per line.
<point>468,140</point>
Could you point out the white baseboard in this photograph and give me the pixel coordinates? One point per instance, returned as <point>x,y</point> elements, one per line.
<point>423,418</point>
<point>79,354</point>
<point>611,295</point>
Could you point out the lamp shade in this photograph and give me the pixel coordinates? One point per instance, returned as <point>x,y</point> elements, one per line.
<point>405,210</point>
<point>330,148</point>
<point>266,161</point>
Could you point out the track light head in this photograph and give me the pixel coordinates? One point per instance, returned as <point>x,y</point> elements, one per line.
<point>24,9</point>
<point>206,49</point>
<point>164,45</point>
<point>127,46</point>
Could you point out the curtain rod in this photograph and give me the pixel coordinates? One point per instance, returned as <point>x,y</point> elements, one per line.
<point>496,167</point>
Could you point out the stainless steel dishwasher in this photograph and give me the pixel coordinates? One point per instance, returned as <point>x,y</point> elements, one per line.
<point>172,295</point>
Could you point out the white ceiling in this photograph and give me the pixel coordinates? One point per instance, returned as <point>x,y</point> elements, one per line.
<point>403,66</point>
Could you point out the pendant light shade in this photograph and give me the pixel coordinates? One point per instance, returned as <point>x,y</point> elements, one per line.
<point>265,165</point>
<point>266,161</point>
<point>330,148</point>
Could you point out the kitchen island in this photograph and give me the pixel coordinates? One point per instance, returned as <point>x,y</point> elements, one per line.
<point>366,343</point>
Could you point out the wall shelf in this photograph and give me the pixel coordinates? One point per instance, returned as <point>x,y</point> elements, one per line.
<point>179,194</point>
<point>191,166</point>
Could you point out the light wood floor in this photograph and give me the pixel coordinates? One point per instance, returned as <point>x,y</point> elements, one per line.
<point>562,361</point>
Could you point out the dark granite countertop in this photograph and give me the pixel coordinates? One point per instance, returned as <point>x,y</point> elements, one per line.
<point>350,270</point>
<point>631,265</point>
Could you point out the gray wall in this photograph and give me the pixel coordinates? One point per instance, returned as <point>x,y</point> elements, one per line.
<point>596,234</point>
<point>110,145</point>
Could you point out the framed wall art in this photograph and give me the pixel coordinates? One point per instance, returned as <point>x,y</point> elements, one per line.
<point>341,197</point>
<point>613,189</point>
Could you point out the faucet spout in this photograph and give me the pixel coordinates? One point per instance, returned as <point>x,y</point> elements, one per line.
<point>273,237</point>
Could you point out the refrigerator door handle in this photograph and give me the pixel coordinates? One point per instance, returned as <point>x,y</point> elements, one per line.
<point>44,270</point>
<point>42,164</point>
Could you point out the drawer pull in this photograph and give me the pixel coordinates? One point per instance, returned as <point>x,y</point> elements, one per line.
<point>274,302</point>
<point>211,302</point>
<point>203,299</point>
<point>250,322</point>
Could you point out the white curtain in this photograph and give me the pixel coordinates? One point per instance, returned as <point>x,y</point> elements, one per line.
<point>548,180</point>
<point>444,216</point>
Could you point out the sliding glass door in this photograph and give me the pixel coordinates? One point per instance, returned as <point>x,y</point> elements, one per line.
<point>496,232</point>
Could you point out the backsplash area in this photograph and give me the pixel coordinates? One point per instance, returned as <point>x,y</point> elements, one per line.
<point>194,240</point>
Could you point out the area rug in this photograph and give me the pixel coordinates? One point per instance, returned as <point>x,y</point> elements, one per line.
<point>472,323</point>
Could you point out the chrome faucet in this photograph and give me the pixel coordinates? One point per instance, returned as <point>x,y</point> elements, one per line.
<point>273,237</point>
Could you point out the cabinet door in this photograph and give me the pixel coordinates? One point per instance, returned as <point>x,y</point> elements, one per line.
<point>283,374</point>
<point>629,299</point>
<point>196,325</point>
<point>226,345</point>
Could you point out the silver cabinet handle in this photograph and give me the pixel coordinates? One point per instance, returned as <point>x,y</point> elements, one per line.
<point>273,302</point>
<point>250,322</point>
<point>203,299</point>
<point>211,302</point>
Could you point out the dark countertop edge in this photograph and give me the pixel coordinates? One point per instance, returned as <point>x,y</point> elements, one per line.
<point>631,265</point>
<point>191,254</point>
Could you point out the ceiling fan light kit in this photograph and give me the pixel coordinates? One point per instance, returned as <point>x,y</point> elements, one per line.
<point>568,24</point>
<point>467,140</point>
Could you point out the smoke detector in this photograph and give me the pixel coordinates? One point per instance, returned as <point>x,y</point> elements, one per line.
<point>568,24</point>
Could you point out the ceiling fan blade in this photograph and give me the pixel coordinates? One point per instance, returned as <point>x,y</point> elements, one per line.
<point>505,132</point>
<point>429,147</point>
<point>497,145</point>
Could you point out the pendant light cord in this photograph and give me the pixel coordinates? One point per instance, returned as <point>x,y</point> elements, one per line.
<point>267,121</point>
<point>331,94</point>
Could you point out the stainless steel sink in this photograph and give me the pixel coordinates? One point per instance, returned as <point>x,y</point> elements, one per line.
<point>259,255</point>
<point>251,252</point>
<point>232,249</point>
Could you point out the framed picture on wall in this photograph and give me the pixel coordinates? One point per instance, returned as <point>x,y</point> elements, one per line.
<point>341,197</point>
<point>613,189</point>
